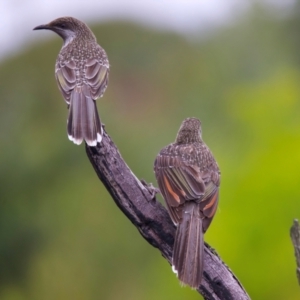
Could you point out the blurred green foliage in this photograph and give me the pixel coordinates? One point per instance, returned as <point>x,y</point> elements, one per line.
<point>61,235</point>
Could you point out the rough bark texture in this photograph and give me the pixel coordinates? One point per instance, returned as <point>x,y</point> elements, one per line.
<point>138,202</point>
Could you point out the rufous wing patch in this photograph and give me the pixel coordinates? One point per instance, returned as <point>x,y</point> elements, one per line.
<point>169,189</point>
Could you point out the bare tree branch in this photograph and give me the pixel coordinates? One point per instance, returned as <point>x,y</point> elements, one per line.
<point>137,201</point>
<point>295,236</point>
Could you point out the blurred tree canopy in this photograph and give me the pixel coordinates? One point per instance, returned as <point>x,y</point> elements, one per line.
<point>61,236</point>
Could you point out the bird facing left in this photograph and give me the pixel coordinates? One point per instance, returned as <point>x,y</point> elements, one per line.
<point>81,71</point>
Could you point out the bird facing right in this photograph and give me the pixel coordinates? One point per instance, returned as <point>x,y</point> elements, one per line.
<point>188,177</point>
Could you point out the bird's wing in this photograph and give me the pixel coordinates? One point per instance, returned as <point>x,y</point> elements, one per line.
<point>66,79</point>
<point>178,183</point>
<point>96,75</point>
<point>209,203</point>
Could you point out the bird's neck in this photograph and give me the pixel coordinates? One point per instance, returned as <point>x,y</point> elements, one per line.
<point>81,37</point>
<point>68,39</point>
<point>188,137</point>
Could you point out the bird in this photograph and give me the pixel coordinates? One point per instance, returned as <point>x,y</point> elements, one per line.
<point>81,71</point>
<point>188,177</point>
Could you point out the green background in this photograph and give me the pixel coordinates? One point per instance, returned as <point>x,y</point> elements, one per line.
<point>61,235</point>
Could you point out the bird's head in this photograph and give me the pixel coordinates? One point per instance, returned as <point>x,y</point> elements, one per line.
<point>189,131</point>
<point>68,28</point>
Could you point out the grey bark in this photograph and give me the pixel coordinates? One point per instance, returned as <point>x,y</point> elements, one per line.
<point>295,236</point>
<point>137,201</point>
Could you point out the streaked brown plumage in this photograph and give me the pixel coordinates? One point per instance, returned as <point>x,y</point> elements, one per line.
<point>81,71</point>
<point>188,177</point>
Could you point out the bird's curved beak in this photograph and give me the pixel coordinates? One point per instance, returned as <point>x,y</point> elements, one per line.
<point>45,26</point>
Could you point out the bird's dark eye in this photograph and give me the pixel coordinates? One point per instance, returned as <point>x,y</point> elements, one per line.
<point>62,25</point>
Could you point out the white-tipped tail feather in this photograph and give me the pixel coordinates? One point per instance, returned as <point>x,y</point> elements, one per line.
<point>83,121</point>
<point>189,247</point>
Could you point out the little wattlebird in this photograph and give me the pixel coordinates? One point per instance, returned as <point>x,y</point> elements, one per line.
<point>188,177</point>
<point>81,71</point>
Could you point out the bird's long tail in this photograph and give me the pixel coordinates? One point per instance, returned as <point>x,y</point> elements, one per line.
<point>189,247</point>
<point>84,122</point>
